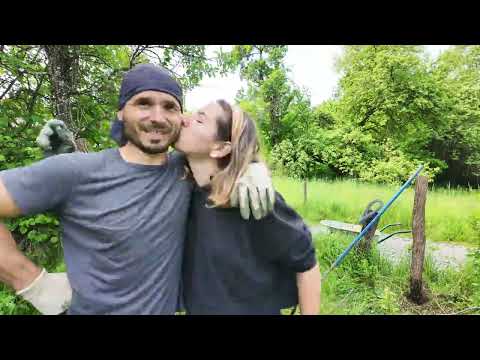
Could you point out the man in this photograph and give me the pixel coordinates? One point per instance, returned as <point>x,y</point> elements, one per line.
<point>123,211</point>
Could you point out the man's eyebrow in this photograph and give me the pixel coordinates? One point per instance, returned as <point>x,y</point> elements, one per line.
<point>171,102</point>
<point>142,98</point>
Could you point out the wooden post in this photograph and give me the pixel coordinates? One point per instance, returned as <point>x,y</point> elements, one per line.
<point>304,191</point>
<point>417,290</point>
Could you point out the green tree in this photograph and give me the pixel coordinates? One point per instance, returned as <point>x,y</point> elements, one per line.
<point>389,108</point>
<point>457,143</point>
<point>262,66</point>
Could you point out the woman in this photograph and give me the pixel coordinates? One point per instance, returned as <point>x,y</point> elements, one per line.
<point>233,266</point>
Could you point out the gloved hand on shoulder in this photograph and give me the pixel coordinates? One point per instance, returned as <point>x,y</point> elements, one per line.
<point>254,192</point>
<point>54,138</point>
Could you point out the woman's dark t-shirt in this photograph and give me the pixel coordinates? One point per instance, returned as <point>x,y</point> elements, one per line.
<point>237,266</point>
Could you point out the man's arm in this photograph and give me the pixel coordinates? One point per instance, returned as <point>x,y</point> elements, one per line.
<point>33,186</point>
<point>16,270</point>
<point>309,290</point>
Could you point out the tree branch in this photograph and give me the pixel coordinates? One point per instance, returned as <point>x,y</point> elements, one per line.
<point>98,58</point>
<point>190,55</point>
<point>9,87</point>
<point>137,52</point>
<point>35,94</point>
<point>155,54</point>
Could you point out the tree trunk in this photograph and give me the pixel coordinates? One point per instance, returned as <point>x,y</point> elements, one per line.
<point>417,290</point>
<point>62,66</point>
<point>274,121</point>
<point>82,145</point>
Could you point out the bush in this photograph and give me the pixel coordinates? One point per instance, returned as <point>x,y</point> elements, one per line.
<point>301,160</point>
<point>395,167</point>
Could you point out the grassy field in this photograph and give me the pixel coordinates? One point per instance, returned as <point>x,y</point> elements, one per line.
<point>372,285</point>
<point>451,215</point>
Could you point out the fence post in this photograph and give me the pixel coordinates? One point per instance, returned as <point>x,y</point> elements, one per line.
<point>304,191</point>
<point>417,290</point>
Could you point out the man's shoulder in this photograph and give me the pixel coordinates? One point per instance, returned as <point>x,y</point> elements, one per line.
<point>85,159</point>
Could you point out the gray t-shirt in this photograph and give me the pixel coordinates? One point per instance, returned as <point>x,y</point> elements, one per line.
<point>123,227</point>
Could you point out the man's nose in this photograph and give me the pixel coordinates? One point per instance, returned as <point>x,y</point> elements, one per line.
<point>157,114</point>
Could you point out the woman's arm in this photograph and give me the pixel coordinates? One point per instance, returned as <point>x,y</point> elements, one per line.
<point>284,238</point>
<point>309,285</point>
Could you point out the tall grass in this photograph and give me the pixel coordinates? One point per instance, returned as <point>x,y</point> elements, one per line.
<point>451,215</point>
<point>373,285</point>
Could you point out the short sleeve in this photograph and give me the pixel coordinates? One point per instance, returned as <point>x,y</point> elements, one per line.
<point>283,237</point>
<point>42,186</point>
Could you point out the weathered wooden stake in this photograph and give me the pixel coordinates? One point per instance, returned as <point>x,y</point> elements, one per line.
<point>305,191</point>
<point>417,290</point>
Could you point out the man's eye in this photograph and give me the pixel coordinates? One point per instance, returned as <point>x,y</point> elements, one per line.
<point>171,108</point>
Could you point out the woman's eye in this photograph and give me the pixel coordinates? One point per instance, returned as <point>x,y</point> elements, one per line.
<point>199,119</point>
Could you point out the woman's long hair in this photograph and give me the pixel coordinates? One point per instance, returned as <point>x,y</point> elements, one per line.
<point>235,126</point>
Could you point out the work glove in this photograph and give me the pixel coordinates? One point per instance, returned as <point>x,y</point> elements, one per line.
<point>254,192</point>
<point>55,138</point>
<point>49,293</point>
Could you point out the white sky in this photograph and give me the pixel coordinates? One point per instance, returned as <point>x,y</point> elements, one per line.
<point>312,67</point>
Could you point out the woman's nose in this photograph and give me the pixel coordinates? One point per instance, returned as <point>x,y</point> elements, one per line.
<point>186,121</point>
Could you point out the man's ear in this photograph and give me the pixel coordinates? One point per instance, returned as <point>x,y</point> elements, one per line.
<point>120,115</point>
<point>221,149</point>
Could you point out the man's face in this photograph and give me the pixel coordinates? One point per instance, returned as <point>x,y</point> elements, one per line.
<point>152,121</point>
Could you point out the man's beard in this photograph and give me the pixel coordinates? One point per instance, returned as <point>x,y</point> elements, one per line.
<point>130,133</point>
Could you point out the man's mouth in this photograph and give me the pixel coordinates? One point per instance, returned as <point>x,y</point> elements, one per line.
<point>162,131</point>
